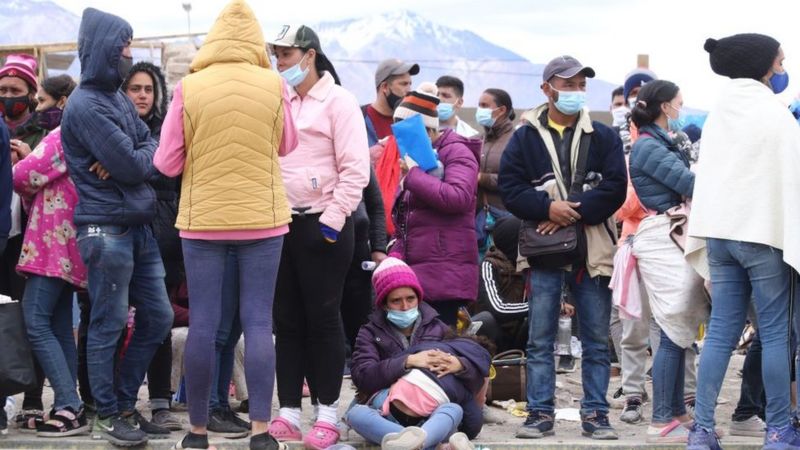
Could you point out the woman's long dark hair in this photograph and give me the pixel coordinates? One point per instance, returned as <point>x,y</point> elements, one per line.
<point>501,98</point>
<point>59,86</point>
<point>649,100</point>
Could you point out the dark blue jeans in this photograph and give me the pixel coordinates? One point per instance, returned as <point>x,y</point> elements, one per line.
<point>593,304</point>
<point>47,307</point>
<point>125,268</point>
<point>739,271</point>
<point>230,330</point>
<point>258,268</point>
<point>669,368</point>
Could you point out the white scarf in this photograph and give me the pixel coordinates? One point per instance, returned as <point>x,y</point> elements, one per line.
<point>748,176</point>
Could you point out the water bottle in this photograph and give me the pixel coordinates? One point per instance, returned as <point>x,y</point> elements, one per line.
<point>564,335</point>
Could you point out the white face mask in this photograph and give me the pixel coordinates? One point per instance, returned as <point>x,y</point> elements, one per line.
<point>620,116</point>
<point>632,102</point>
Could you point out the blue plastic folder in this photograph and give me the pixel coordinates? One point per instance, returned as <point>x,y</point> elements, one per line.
<point>413,140</point>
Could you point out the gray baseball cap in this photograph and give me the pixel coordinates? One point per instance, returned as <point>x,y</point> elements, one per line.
<point>393,66</point>
<point>565,67</point>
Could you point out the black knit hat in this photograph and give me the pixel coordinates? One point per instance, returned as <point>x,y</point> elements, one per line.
<point>748,55</point>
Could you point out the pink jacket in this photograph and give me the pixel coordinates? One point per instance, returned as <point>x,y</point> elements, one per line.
<point>49,248</point>
<point>329,170</point>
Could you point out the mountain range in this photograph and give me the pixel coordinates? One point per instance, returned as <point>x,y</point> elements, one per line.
<point>355,47</point>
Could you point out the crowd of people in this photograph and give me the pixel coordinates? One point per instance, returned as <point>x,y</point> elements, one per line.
<point>260,201</point>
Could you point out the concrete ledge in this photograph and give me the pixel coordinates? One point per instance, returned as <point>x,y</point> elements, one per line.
<point>579,443</point>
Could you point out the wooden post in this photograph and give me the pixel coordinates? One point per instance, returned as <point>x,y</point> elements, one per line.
<point>643,61</point>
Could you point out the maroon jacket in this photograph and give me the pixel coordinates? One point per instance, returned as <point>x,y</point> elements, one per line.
<point>435,222</point>
<point>379,357</point>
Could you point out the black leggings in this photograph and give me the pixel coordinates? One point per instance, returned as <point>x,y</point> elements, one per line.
<point>357,298</point>
<point>309,337</point>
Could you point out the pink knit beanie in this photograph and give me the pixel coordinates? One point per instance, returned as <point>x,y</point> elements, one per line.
<point>21,66</point>
<point>391,274</point>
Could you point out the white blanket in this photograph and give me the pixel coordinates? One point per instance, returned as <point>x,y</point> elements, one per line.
<point>748,177</point>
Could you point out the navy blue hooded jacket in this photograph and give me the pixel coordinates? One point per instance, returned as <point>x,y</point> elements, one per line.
<point>460,387</point>
<point>659,171</point>
<point>526,166</point>
<point>100,124</point>
<point>6,185</point>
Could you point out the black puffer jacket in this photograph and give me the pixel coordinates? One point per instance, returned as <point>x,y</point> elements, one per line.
<point>167,189</point>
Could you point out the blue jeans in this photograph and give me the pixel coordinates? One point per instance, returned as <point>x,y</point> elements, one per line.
<point>258,269</point>
<point>230,330</point>
<point>47,306</point>
<point>593,303</point>
<point>124,267</point>
<point>668,376</point>
<point>369,423</point>
<point>739,270</point>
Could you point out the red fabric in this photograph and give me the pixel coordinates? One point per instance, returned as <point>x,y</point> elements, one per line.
<point>382,124</point>
<point>387,170</point>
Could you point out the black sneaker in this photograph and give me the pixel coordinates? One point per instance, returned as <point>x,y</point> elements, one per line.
<point>633,412</point>
<point>265,441</point>
<point>566,364</point>
<point>244,406</point>
<point>118,431</point>
<point>153,431</point>
<point>597,427</point>
<point>220,425</point>
<point>65,422</point>
<point>192,442</point>
<point>537,425</point>
<point>233,417</point>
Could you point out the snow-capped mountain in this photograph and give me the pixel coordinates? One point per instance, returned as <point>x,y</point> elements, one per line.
<point>36,22</point>
<point>357,46</point>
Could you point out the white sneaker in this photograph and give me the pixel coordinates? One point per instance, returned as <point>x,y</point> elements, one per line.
<point>753,426</point>
<point>460,441</point>
<point>411,438</point>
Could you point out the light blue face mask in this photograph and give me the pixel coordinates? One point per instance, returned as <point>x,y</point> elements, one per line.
<point>403,319</point>
<point>779,81</point>
<point>295,75</point>
<point>445,111</point>
<point>484,117</point>
<point>570,102</point>
<point>677,123</point>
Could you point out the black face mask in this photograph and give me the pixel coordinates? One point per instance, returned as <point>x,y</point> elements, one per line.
<point>14,107</point>
<point>124,66</point>
<point>393,100</point>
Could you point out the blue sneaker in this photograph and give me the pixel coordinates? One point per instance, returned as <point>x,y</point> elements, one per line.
<point>781,438</point>
<point>702,439</point>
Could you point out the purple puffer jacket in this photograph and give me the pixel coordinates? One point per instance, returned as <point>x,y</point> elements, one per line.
<point>379,357</point>
<point>435,222</point>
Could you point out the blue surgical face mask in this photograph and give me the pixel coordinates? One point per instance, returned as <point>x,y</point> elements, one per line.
<point>677,123</point>
<point>403,319</point>
<point>484,117</point>
<point>295,75</point>
<point>445,111</point>
<point>570,102</point>
<point>779,81</point>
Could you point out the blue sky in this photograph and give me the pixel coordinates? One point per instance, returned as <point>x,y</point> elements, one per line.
<point>606,34</point>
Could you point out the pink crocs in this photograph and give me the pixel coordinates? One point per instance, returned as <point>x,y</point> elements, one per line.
<point>283,430</point>
<point>321,436</point>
